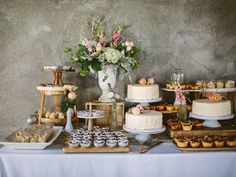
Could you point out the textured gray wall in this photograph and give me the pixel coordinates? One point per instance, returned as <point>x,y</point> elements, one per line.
<point>198,35</point>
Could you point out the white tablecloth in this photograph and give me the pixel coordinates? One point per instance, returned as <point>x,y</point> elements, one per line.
<point>163,161</point>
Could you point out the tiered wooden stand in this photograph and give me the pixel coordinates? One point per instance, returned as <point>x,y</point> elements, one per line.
<point>56,91</point>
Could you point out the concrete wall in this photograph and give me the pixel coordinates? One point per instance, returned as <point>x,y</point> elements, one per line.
<point>197,35</point>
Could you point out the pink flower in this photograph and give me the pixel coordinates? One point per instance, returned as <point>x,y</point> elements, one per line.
<point>140,107</point>
<point>116,36</point>
<point>72,95</point>
<point>177,96</point>
<point>103,41</point>
<point>136,111</point>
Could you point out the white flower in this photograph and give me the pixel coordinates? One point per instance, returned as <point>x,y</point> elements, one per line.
<point>129,45</point>
<point>112,55</point>
<point>110,95</point>
<point>72,95</point>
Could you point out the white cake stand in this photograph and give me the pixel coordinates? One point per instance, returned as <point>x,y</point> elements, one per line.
<point>90,121</point>
<point>211,121</point>
<point>143,102</point>
<point>144,135</point>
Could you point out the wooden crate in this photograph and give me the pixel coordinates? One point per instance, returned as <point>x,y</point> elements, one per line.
<point>107,109</point>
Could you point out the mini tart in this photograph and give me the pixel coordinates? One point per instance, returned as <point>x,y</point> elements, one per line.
<point>187,126</point>
<point>189,107</point>
<point>160,108</point>
<point>169,86</point>
<point>169,107</point>
<point>195,143</point>
<point>207,144</point>
<point>231,143</point>
<point>176,107</point>
<point>219,143</point>
<point>182,143</point>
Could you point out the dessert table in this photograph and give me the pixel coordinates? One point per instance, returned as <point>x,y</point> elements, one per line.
<point>164,160</point>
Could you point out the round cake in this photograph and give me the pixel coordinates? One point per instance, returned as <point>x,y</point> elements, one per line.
<point>148,120</point>
<point>143,92</point>
<point>205,107</point>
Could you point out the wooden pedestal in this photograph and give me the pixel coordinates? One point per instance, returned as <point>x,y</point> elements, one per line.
<point>107,110</point>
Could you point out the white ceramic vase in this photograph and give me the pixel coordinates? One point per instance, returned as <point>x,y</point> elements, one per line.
<point>69,126</point>
<point>107,81</point>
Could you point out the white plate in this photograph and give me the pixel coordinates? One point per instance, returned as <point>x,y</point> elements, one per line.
<point>51,88</point>
<point>143,101</point>
<point>17,145</point>
<point>155,131</point>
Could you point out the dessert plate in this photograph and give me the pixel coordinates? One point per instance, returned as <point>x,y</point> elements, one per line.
<point>12,142</point>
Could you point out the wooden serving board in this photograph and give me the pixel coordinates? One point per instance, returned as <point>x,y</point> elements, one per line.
<point>68,149</point>
<point>208,149</point>
<point>203,131</point>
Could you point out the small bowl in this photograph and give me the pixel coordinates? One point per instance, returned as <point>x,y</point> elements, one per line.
<point>111,143</point>
<point>99,143</point>
<point>85,144</point>
<point>123,143</point>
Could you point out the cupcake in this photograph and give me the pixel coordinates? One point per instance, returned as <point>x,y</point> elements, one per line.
<point>229,84</point>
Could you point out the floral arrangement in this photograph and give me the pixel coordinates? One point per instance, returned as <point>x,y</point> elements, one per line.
<point>71,95</point>
<point>180,94</point>
<point>96,51</point>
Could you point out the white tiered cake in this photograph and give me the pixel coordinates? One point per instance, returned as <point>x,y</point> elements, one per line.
<point>143,92</point>
<point>148,120</point>
<point>205,107</point>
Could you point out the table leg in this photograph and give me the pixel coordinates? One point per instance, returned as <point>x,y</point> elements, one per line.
<point>90,124</point>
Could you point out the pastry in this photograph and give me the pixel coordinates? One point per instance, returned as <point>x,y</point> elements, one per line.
<point>187,126</point>
<point>182,143</point>
<point>211,85</point>
<point>160,108</point>
<point>52,115</point>
<point>195,143</point>
<point>229,84</point>
<point>169,107</point>
<point>176,107</point>
<point>170,86</point>
<point>207,144</point>
<point>231,142</point>
<point>61,115</point>
<point>219,143</point>
<point>220,84</point>
<point>199,83</point>
<point>189,107</point>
